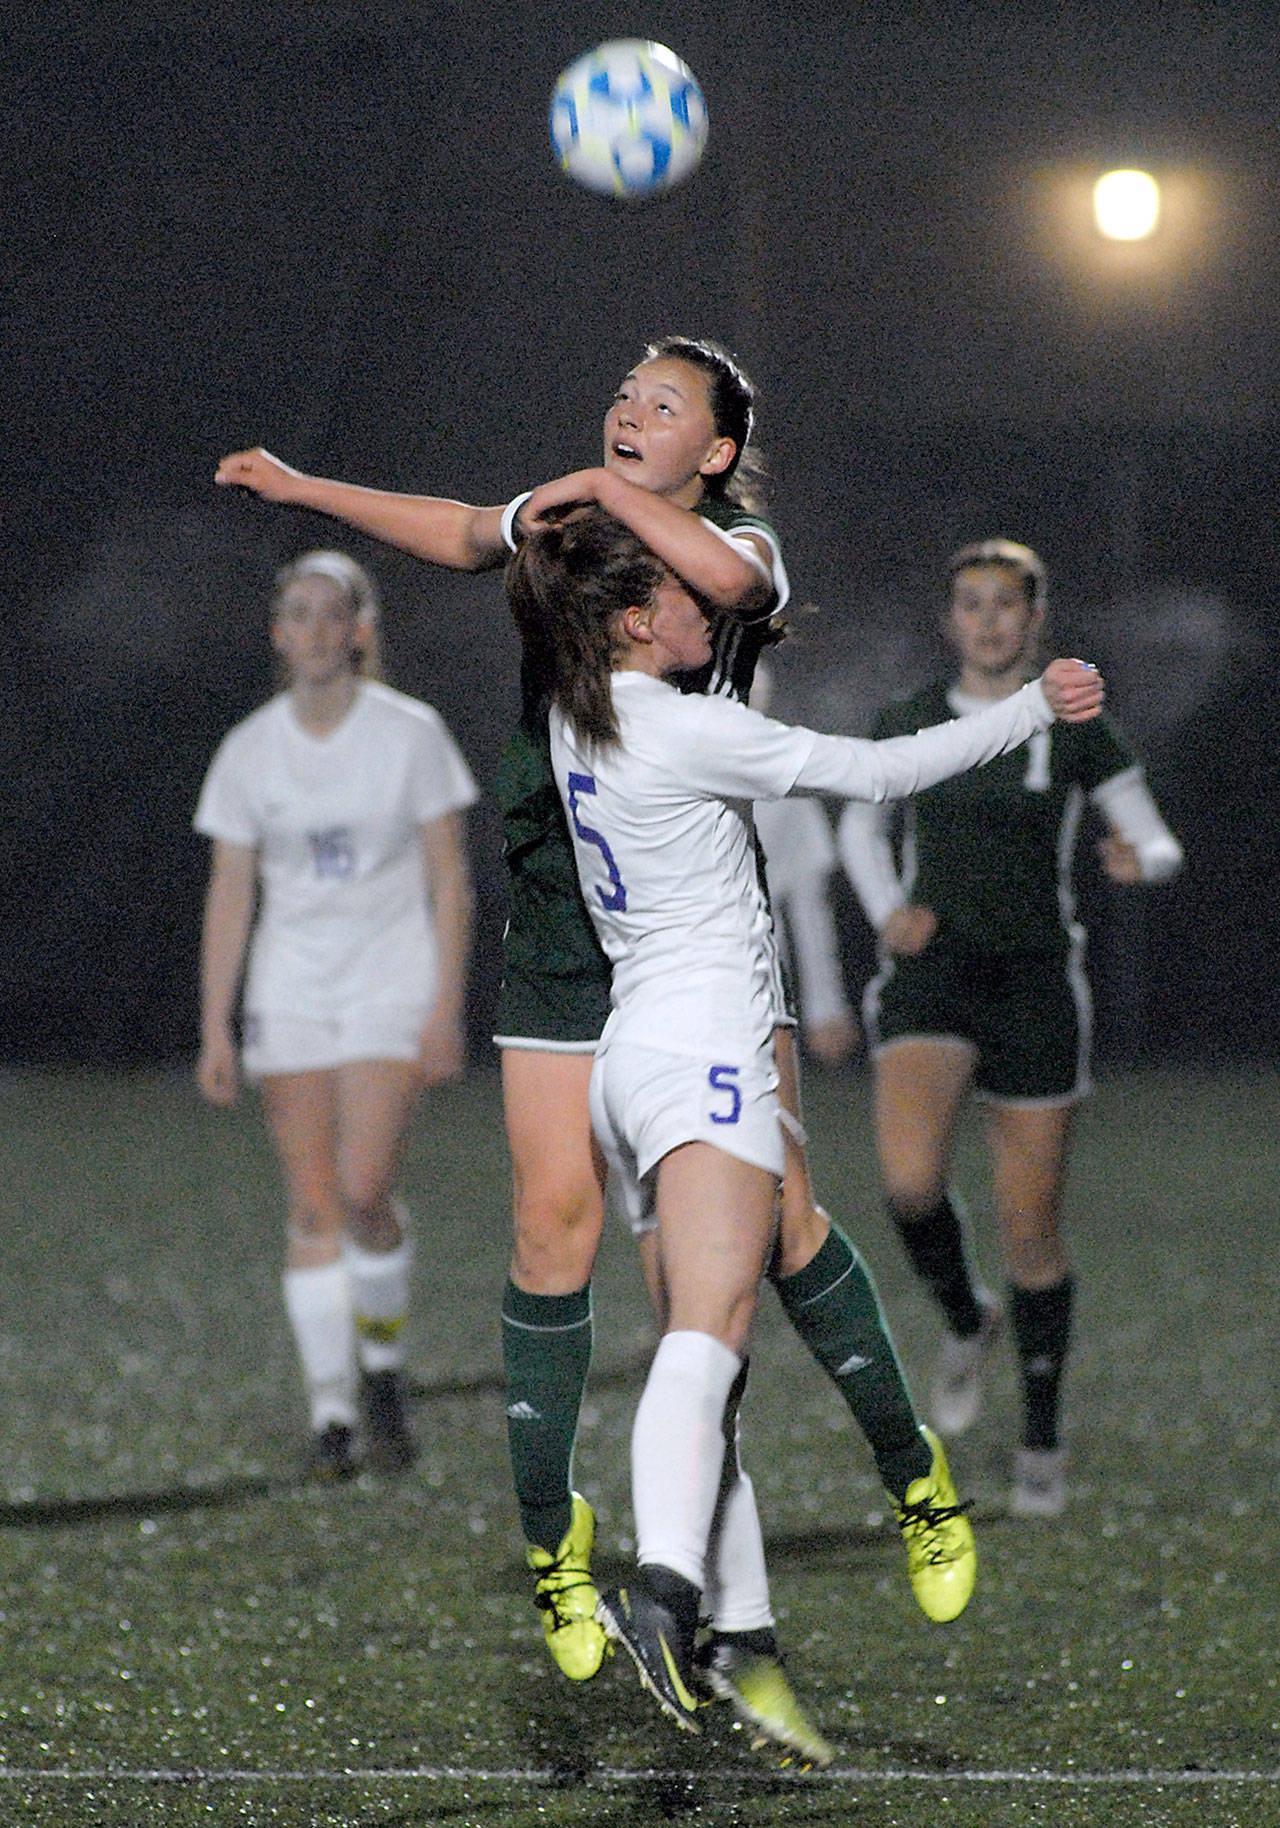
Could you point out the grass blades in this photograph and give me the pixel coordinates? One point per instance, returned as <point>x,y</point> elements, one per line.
<point>190,1634</point>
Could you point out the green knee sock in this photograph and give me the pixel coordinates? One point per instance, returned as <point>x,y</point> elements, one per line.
<point>546,1351</point>
<point>832,1305</point>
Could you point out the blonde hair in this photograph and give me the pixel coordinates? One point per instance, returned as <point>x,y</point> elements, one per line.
<point>361,592</point>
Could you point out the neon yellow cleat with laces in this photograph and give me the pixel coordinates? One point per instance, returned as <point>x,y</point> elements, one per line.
<point>568,1599</point>
<point>941,1558</point>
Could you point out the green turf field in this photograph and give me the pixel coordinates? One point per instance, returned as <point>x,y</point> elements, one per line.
<point>189,1635</point>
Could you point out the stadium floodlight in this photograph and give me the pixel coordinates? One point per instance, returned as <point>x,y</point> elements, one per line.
<point>1126,205</point>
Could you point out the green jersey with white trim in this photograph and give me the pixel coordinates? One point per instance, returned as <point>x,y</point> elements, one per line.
<point>990,850</point>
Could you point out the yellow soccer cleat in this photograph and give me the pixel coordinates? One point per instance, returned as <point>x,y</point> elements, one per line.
<point>568,1599</point>
<point>941,1558</point>
<point>756,1688</point>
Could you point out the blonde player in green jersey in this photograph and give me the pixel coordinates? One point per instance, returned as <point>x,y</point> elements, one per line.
<point>982,988</point>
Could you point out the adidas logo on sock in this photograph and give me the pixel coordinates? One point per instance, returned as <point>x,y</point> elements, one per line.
<point>522,1412</point>
<point>856,1363</point>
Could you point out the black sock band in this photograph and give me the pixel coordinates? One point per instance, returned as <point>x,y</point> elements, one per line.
<point>935,1246</point>
<point>1041,1320</point>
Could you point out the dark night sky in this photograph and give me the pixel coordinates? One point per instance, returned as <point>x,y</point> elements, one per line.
<point>338,230</point>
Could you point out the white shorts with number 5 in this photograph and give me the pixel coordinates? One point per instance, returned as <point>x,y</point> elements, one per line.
<point>645,1103</point>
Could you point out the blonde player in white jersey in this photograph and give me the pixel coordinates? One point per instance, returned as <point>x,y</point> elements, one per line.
<point>337,809</point>
<point>657,787</point>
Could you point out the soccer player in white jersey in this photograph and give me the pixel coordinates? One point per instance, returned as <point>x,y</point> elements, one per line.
<point>982,986</point>
<point>677,445</point>
<point>337,808</point>
<point>657,787</point>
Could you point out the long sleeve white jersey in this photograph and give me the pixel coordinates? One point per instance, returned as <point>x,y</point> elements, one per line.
<point>800,852</point>
<point>664,841</point>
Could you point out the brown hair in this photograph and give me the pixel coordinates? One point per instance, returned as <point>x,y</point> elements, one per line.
<point>567,586</point>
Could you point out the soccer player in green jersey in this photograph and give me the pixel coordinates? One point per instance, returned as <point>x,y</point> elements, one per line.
<point>981,987</point>
<point>674,465</point>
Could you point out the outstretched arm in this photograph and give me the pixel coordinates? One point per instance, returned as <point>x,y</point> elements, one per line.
<point>897,766</point>
<point>714,567</point>
<point>431,527</point>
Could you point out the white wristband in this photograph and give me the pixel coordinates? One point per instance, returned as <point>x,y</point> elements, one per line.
<point>509,536</point>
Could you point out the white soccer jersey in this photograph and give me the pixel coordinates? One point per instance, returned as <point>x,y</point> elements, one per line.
<point>663,836</point>
<point>335,820</point>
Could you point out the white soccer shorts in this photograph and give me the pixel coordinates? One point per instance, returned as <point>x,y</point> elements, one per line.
<point>645,1103</point>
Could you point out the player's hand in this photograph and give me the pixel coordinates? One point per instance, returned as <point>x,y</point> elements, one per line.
<point>217,1073</point>
<point>908,930</point>
<point>1074,689</point>
<point>1120,859</point>
<point>833,1041</point>
<point>442,1051</point>
<point>260,471</point>
<point>545,507</point>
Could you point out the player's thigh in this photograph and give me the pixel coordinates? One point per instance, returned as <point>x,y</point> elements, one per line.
<point>302,1115</point>
<point>1029,1145</point>
<point>920,1085</point>
<point>715,1222</point>
<point>557,1168</point>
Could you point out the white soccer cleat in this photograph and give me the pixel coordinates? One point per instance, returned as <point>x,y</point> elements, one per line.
<point>955,1391</point>
<point>1039,1482</point>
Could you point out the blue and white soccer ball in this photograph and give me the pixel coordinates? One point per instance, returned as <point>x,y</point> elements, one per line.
<point>628,119</point>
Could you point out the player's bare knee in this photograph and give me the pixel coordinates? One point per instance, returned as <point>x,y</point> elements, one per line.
<point>316,1221</point>
<point>915,1199</point>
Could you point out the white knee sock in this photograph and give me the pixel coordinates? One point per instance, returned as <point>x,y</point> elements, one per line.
<point>380,1297</point>
<point>737,1595</point>
<point>677,1450</point>
<point>318,1303</point>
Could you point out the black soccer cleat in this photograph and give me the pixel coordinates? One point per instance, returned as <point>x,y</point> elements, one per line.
<point>658,1640</point>
<point>332,1454</point>
<point>388,1435</point>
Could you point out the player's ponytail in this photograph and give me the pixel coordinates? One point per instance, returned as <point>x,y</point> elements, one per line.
<point>568,586</point>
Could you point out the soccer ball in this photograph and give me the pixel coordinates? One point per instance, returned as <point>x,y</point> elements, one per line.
<point>628,119</point>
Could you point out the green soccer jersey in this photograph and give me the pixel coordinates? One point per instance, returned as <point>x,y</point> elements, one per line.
<point>990,850</point>
<point>736,642</point>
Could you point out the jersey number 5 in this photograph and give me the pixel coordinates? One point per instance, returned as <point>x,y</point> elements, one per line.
<point>616,898</point>
<point>725,1079</point>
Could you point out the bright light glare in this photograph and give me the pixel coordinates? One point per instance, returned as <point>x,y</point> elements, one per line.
<point>1126,205</point>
